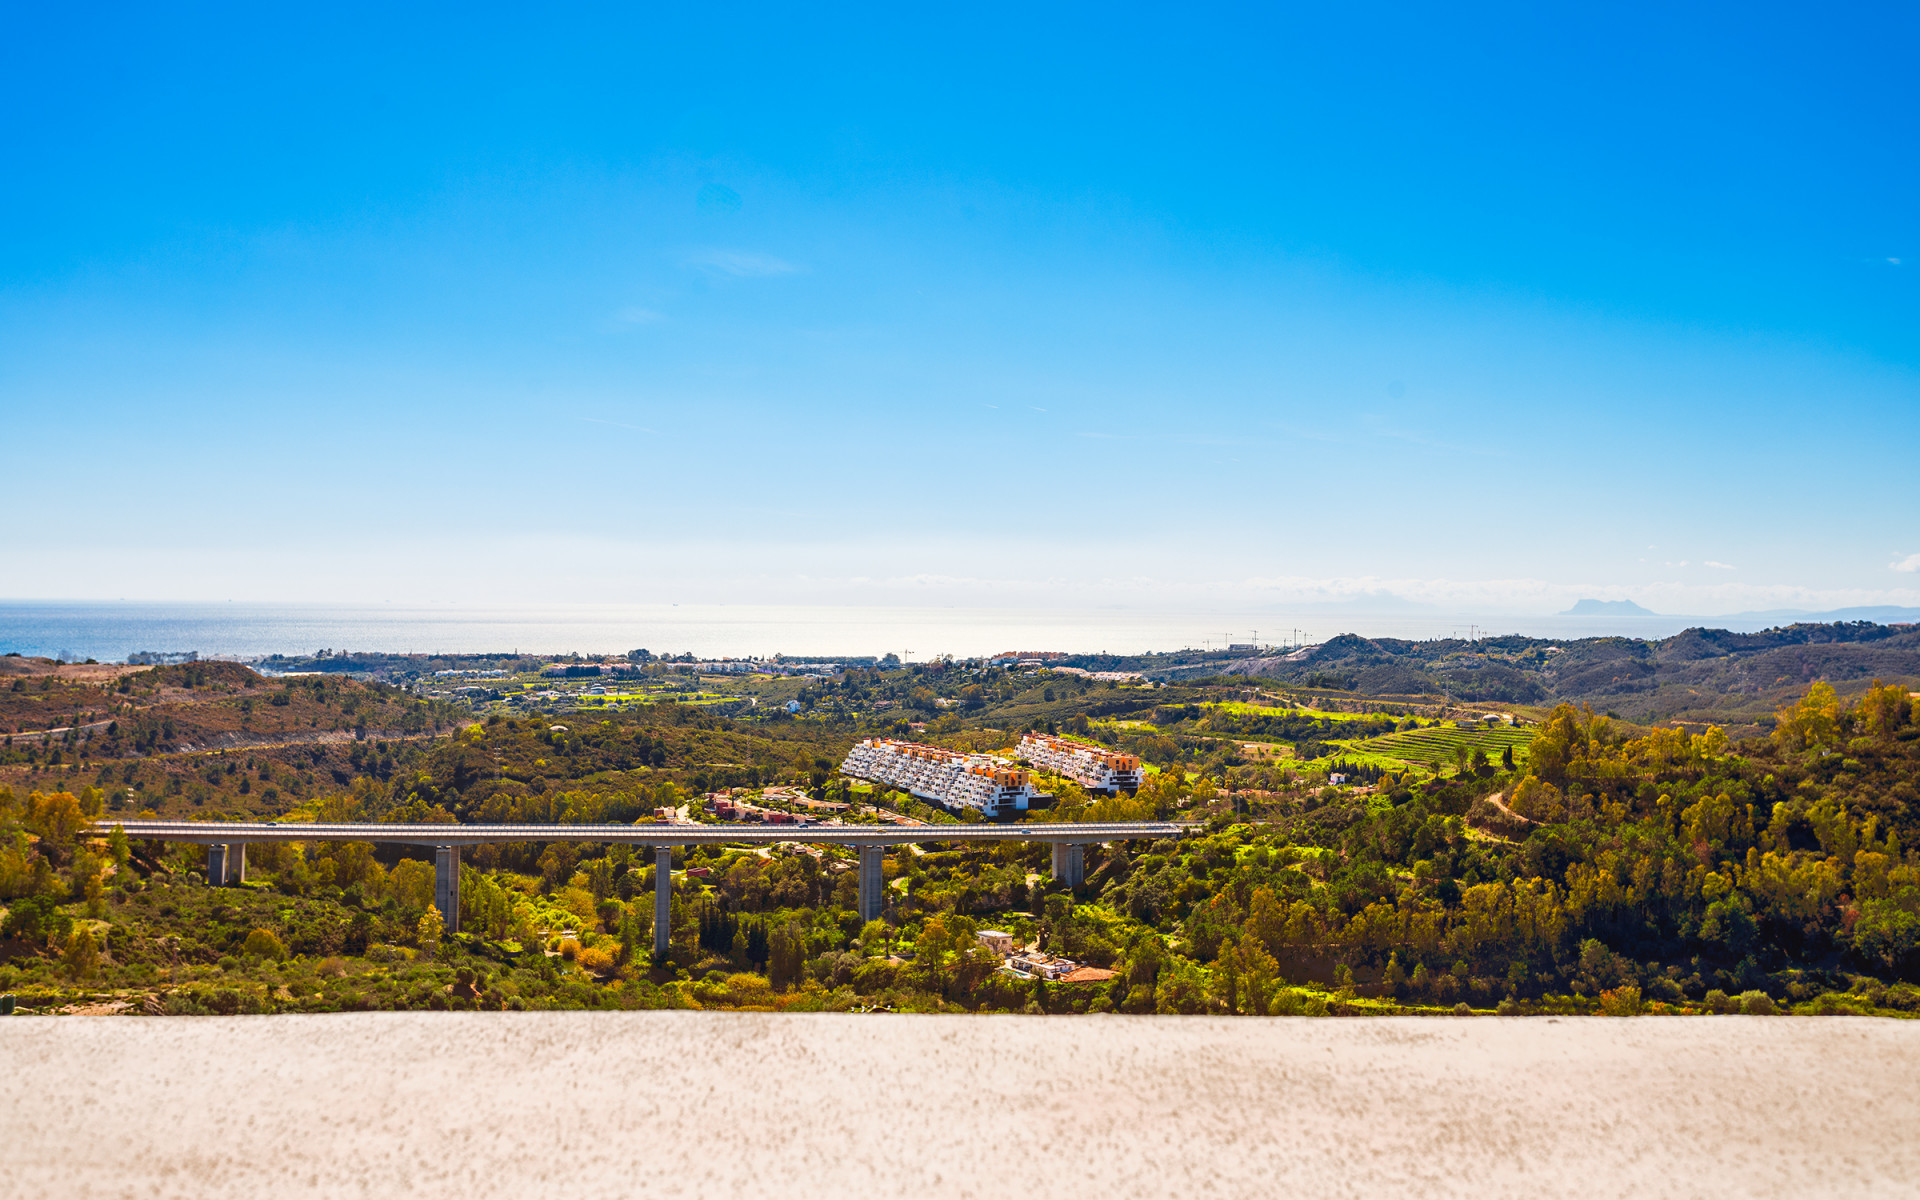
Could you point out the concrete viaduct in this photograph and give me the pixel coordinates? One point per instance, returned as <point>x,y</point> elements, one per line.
<point>227,842</point>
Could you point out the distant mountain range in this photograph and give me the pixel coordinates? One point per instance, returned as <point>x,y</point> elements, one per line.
<point>1608,608</point>
<point>1883,614</point>
<point>1704,674</point>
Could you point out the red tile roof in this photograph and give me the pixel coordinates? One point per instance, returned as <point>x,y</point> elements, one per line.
<point>1087,975</point>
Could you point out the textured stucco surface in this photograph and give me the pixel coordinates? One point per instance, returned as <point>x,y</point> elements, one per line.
<point>684,1104</point>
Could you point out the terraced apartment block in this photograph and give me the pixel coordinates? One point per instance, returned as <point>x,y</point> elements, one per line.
<point>978,781</point>
<point>1092,767</point>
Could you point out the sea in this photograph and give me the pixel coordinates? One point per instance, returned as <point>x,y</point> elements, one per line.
<point>109,631</point>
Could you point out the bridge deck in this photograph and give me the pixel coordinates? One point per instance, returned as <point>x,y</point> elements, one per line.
<point>231,832</point>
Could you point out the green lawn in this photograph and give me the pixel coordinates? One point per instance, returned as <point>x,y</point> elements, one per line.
<point>1261,710</point>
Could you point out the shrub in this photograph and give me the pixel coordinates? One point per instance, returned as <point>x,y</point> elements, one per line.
<point>1757,1004</point>
<point>1902,996</point>
<point>594,959</point>
<point>332,968</point>
<point>1717,1001</point>
<point>748,990</point>
<point>1295,1002</point>
<point>265,943</point>
<point>82,956</point>
<point>1837,1004</point>
<point>570,949</point>
<point>1623,1001</point>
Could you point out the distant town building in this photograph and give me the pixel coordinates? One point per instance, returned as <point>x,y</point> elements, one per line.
<point>1092,767</point>
<point>1025,656</point>
<point>1100,676</point>
<point>948,777</point>
<point>997,940</point>
<point>162,658</point>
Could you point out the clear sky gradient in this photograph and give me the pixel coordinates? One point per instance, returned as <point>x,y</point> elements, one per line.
<point>1024,305</point>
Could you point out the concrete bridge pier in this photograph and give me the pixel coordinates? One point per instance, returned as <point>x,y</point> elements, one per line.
<point>662,899</point>
<point>217,865</point>
<point>236,863</point>
<point>1070,863</point>
<point>446,886</point>
<point>873,883</point>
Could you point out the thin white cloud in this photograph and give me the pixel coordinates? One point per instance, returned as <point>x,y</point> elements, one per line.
<point>1380,426</point>
<point>1720,566</point>
<point>1909,564</point>
<point>741,264</point>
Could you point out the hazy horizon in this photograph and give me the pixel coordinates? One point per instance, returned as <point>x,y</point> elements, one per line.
<point>112,630</point>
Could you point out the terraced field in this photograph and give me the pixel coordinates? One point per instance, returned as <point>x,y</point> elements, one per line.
<point>1437,744</point>
<point>1269,710</point>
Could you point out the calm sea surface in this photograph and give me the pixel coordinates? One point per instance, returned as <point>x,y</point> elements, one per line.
<point>111,631</point>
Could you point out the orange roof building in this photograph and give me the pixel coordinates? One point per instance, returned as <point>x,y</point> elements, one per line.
<point>1095,768</point>
<point>947,777</point>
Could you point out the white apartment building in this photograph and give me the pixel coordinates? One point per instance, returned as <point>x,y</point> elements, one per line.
<point>1092,767</point>
<point>1037,964</point>
<point>978,781</point>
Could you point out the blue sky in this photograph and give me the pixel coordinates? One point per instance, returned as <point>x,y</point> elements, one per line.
<point>1485,309</point>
